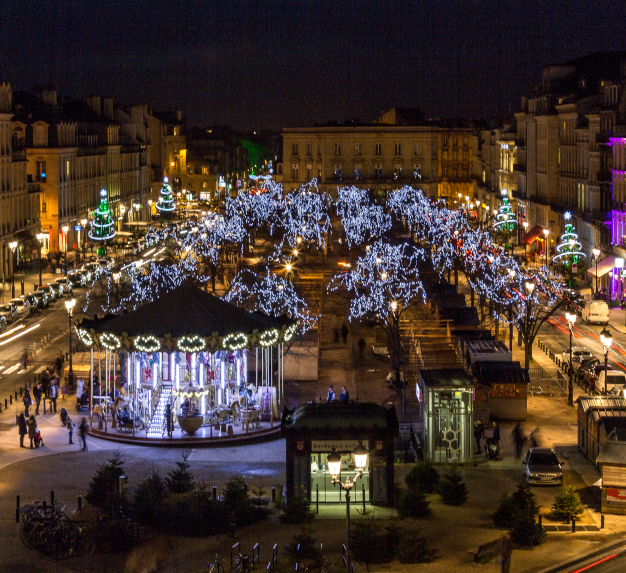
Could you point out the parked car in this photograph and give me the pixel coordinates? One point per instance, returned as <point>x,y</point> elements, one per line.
<point>590,375</point>
<point>63,282</point>
<point>581,367</point>
<point>50,293</point>
<point>76,280</point>
<point>579,353</point>
<point>542,467</point>
<point>32,301</point>
<point>608,380</point>
<point>84,273</point>
<point>597,312</point>
<point>9,312</point>
<point>3,323</point>
<point>57,288</point>
<point>42,299</point>
<point>105,262</point>
<point>23,307</point>
<point>93,268</point>
<point>575,301</point>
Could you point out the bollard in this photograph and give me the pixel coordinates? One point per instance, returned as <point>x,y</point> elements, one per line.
<point>6,404</point>
<point>17,500</point>
<point>573,525</point>
<point>245,489</point>
<point>45,504</point>
<point>273,494</point>
<point>602,521</point>
<point>363,490</point>
<point>214,493</point>
<point>52,498</point>
<point>17,515</point>
<point>232,531</point>
<point>20,393</point>
<point>11,399</point>
<point>80,503</point>
<point>317,498</point>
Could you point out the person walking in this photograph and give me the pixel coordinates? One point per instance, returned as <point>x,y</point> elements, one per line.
<point>479,434</point>
<point>70,427</point>
<point>37,393</point>
<point>344,333</point>
<point>496,434</point>
<point>54,393</point>
<point>344,396</point>
<point>331,395</point>
<point>83,433</point>
<point>27,401</point>
<point>361,348</point>
<point>22,429</point>
<point>336,333</point>
<point>518,440</point>
<point>32,430</point>
<point>59,362</point>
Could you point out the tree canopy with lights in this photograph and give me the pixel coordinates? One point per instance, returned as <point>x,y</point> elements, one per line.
<point>361,221</point>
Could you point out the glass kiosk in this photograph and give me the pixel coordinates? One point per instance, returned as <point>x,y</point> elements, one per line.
<point>321,479</point>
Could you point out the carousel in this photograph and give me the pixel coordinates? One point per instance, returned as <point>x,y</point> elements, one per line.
<point>187,365</point>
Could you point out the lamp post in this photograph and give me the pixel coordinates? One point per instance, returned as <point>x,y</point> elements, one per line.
<point>13,247</point>
<point>596,255</point>
<point>571,319</point>
<point>150,208</point>
<point>65,229</point>
<point>606,340</point>
<point>83,224</point>
<point>69,306</point>
<point>334,467</point>
<point>40,238</point>
<point>136,206</point>
<point>546,232</point>
<point>512,275</point>
<point>525,225</point>
<point>529,287</point>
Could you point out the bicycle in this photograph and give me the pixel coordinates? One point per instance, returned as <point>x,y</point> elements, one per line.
<point>216,566</point>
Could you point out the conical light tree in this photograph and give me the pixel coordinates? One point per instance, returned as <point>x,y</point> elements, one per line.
<point>505,219</point>
<point>102,225</point>
<point>166,204</point>
<point>569,250</point>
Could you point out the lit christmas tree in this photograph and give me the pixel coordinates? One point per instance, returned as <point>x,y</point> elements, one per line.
<point>166,204</point>
<point>505,219</point>
<point>568,251</point>
<point>102,224</point>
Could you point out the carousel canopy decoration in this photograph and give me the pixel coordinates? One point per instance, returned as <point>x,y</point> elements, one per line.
<point>188,319</point>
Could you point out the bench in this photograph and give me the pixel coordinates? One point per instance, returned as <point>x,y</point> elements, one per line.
<point>483,553</point>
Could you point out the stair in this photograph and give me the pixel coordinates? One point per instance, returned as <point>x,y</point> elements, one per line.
<point>155,429</point>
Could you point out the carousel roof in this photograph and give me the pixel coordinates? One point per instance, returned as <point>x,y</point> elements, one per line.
<point>186,311</point>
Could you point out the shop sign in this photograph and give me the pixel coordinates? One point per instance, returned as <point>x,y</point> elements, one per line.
<point>77,228</point>
<point>342,446</point>
<point>618,495</point>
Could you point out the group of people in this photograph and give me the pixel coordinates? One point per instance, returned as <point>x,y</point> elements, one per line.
<point>520,440</point>
<point>343,397</point>
<point>479,434</point>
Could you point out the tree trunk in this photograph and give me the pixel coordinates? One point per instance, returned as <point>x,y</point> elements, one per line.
<point>471,296</point>
<point>528,354</point>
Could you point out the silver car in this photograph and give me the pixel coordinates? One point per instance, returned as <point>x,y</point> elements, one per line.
<point>9,312</point>
<point>542,467</point>
<point>23,306</point>
<point>67,286</point>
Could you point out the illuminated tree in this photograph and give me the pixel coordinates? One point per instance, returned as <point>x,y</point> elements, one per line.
<point>102,225</point>
<point>569,250</point>
<point>361,221</point>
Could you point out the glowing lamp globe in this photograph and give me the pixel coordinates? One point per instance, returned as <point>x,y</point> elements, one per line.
<point>605,338</point>
<point>334,463</point>
<point>360,456</point>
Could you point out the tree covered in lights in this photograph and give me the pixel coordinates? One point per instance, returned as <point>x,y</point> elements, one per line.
<point>272,295</point>
<point>102,228</point>
<point>259,205</point>
<point>505,220</point>
<point>382,285</point>
<point>412,207</point>
<point>569,250</point>
<point>361,221</point>
<point>166,204</point>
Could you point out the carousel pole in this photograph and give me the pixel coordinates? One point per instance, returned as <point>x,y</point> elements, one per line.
<point>256,367</point>
<point>90,378</point>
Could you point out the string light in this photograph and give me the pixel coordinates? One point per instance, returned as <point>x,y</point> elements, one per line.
<point>102,226</point>
<point>235,341</point>
<point>191,343</point>
<point>147,343</point>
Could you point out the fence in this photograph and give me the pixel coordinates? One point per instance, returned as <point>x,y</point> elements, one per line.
<point>547,381</point>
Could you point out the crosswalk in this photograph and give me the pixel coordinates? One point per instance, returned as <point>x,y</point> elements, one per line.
<point>18,366</point>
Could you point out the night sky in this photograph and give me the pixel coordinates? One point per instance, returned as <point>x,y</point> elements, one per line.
<point>277,63</point>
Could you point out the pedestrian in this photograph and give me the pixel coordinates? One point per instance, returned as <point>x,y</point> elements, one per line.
<point>59,362</point>
<point>32,430</point>
<point>336,332</point>
<point>344,396</point>
<point>83,433</point>
<point>535,438</point>
<point>37,393</point>
<point>54,393</point>
<point>344,333</point>
<point>22,429</point>
<point>518,440</point>
<point>27,401</point>
<point>331,395</point>
<point>168,420</point>
<point>70,427</point>
<point>45,381</point>
<point>479,434</point>
<point>362,347</point>
<point>496,434</point>
<point>505,550</point>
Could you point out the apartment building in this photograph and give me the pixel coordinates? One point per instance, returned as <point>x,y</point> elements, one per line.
<point>19,200</point>
<point>382,157</point>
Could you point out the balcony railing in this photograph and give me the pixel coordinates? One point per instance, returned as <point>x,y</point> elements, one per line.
<point>18,155</point>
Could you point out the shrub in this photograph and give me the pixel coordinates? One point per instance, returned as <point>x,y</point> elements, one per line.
<point>103,491</point>
<point>452,488</point>
<point>412,503</point>
<point>423,476</point>
<point>308,547</point>
<point>258,493</point>
<point>236,493</point>
<point>372,544</point>
<point>413,548</point>
<point>297,510</point>
<point>149,498</point>
<point>180,480</point>
<point>525,530</point>
<point>567,503</point>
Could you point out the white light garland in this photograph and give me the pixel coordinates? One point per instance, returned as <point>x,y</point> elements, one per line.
<point>110,341</point>
<point>147,343</point>
<point>191,343</point>
<point>235,341</point>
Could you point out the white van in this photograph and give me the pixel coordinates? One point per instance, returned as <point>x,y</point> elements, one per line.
<point>608,380</point>
<point>596,311</point>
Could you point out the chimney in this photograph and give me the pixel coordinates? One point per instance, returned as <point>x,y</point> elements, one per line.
<point>107,108</point>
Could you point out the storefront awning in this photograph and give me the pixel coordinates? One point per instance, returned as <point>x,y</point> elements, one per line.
<point>604,266</point>
<point>532,234</point>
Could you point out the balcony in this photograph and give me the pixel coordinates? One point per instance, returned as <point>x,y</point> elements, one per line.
<point>18,155</point>
<point>88,151</point>
<point>33,187</point>
<point>602,216</point>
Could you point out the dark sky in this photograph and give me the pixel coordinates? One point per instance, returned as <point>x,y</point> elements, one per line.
<point>276,63</point>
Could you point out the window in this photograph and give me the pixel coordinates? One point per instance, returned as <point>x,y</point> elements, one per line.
<point>444,154</point>
<point>455,155</point>
<point>294,149</point>
<point>397,149</point>
<point>417,171</point>
<point>465,154</point>
<point>309,174</point>
<point>444,171</point>
<point>39,136</point>
<point>205,184</point>
<point>337,148</point>
<point>454,142</point>
<point>434,171</point>
<point>337,171</point>
<point>67,168</point>
<point>444,142</point>
<point>397,173</point>
<point>309,149</point>
<point>379,149</point>
<point>434,148</point>
<point>358,173</point>
<point>190,170</point>
<point>319,171</point>
<point>40,174</point>
<point>205,170</point>
<point>378,172</point>
<point>417,149</point>
<point>280,169</point>
<point>294,171</point>
<point>357,149</point>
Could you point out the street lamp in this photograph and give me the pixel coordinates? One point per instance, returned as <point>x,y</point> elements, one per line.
<point>525,225</point>
<point>136,206</point>
<point>40,237</point>
<point>571,319</point>
<point>606,340</point>
<point>13,247</point>
<point>83,224</point>
<point>150,208</point>
<point>69,306</point>
<point>596,255</point>
<point>334,468</point>
<point>546,232</point>
<point>512,277</point>
<point>65,229</point>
